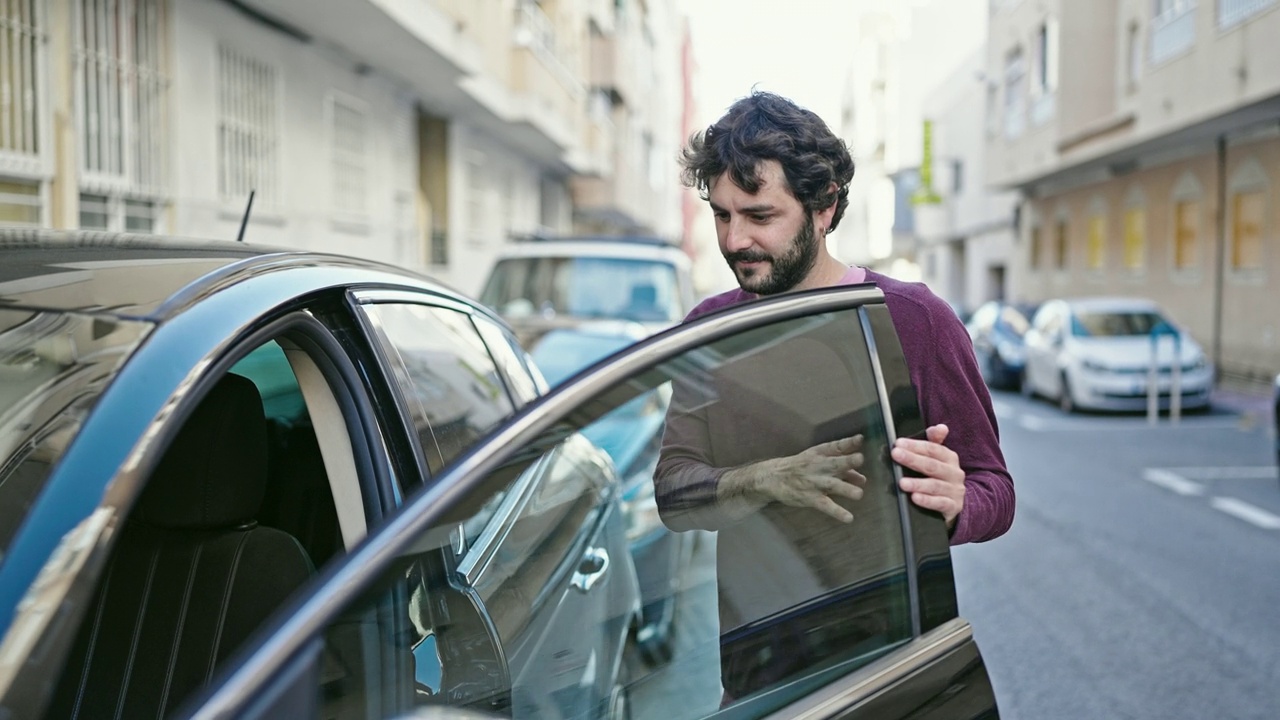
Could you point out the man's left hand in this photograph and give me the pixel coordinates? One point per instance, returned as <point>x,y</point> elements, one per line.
<point>942,488</point>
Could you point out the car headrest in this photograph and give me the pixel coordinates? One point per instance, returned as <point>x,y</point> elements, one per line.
<point>214,473</point>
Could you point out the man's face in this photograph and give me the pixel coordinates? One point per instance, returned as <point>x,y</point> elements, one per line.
<point>767,237</point>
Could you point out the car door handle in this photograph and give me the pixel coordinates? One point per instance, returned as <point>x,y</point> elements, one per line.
<point>592,567</point>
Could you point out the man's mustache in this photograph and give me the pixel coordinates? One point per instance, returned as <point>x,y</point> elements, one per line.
<point>747,256</point>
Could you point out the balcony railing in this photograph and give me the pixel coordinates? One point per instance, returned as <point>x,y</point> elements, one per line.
<point>1173,32</point>
<point>1234,12</point>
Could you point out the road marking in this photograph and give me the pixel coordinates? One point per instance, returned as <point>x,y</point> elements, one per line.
<point>1249,513</point>
<point>1172,481</point>
<point>1254,472</point>
<point>1037,423</point>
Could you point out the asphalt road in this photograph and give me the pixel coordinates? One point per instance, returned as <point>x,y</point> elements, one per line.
<point>1141,578</point>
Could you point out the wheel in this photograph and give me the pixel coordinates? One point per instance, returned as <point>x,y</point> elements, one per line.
<point>1065,401</point>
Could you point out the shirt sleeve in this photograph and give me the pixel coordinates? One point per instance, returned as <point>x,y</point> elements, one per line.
<point>951,391</point>
<point>686,484</point>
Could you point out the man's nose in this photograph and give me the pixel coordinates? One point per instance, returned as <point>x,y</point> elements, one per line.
<point>735,237</point>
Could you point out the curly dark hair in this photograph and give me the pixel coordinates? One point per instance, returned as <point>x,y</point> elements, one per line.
<point>764,126</point>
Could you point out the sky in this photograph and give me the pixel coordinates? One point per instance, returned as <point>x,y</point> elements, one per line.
<point>797,48</point>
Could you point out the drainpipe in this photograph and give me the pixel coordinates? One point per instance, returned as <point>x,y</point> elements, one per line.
<point>1220,221</point>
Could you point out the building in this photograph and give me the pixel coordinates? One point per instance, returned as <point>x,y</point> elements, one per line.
<point>1144,139</point>
<point>965,231</point>
<point>426,134</point>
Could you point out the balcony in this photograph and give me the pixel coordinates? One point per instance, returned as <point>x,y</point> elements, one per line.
<point>1173,32</point>
<point>1234,12</point>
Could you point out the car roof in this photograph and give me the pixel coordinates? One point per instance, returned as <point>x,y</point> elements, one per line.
<point>135,276</point>
<point>1111,304</point>
<point>610,247</point>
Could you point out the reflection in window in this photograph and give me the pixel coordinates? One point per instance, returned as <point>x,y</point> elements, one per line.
<point>450,382</point>
<point>531,619</point>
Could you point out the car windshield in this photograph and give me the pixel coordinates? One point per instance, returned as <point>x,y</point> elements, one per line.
<point>560,354</point>
<point>1013,320</point>
<point>585,287</point>
<point>1115,324</point>
<point>53,366</point>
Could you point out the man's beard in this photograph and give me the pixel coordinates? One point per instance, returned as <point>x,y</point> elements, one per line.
<point>785,271</point>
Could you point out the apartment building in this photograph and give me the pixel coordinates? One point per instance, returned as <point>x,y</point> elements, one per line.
<point>423,133</point>
<point>1144,139</point>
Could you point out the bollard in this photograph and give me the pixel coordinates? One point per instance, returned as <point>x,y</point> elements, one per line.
<point>1175,375</point>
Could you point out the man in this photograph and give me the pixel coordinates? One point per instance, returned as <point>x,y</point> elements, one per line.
<point>777,180</point>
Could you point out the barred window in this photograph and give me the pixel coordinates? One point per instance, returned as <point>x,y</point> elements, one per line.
<point>248,128</point>
<point>24,150</point>
<point>349,135</point>
<point>121,85</point>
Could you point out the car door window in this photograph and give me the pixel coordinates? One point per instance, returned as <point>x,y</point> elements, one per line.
<point>444,371</point>
<point>513,362</point>
<point>543,617</point>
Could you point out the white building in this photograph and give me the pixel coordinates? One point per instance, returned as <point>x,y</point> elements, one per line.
<point>424,133</point>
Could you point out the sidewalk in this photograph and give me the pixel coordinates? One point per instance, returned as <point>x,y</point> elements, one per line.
<point>1251,401</point>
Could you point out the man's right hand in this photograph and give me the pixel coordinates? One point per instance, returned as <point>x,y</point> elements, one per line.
<point>811,478</point>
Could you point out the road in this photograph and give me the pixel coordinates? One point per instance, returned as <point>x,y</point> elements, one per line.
<point>1141,578</point>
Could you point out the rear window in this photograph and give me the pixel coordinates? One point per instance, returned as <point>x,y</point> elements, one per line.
<point>585,287</point>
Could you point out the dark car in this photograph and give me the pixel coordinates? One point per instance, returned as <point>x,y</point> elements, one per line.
<point>997,328</point>
<point>632,436</point>
<point>405,524</point>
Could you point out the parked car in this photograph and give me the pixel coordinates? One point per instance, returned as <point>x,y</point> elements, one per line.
<point>997,329</point>
<point>1096,353</point>
<point>1275,406</point>
<point>405,524</point>
<point>632,436</point>
<point>544,283</point>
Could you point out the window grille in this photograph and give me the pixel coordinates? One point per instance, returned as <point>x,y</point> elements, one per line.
<point>1173,28</point>
<point>349,135</point>
<point>22,41</point>
<point>248,128</point>
<point>1234,12</point>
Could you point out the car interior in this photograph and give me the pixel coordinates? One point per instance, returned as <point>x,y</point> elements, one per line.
<point>238,513</point>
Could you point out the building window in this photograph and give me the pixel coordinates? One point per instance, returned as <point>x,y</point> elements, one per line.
<point>1034,260</point>
<point>248,129</point>
<point>1134,70</point>
<point>1234,12</point>
<point>1015,91</point>
<point>1044,72</point>
<point>1096,252</point>
<point>120,94</point>
<point>1060,242</point>
<point>19,203</point>
<point>1186,234</point>
<point>349,140</point>
<point>1173,28</point>
<point>1247,212</point>
<point>22,38</point>
<point>1135,239</point>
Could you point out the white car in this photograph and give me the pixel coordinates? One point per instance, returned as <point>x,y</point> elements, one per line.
<point>542,284</point>
<point>1096,353</point>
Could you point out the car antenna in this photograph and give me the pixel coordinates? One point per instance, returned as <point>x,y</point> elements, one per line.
<point>245,220</point>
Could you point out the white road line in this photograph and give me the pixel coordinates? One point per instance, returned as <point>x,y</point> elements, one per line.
<point>1172,481</point>
<point>1249,513</point>
<point>1255,472</point>
<point>1035,423</point>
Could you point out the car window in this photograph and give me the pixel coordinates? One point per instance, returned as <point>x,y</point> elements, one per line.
<point>449,381</point>
<point>513,362</point>
<point>545,614</point>
<point>586,287</point>
<point>53,366</point>
<point>1112,324</point>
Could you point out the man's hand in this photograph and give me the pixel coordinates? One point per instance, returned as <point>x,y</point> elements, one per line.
<point>811,478</point>
<point>942,488</point>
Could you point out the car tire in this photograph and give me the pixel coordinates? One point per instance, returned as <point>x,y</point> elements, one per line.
<point>1066,402</point>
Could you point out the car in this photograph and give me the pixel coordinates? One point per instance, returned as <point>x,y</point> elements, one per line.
<point>997,328</point>
<point>400,520</point>
<point>1275,415</point>
<point>1097,353</point>
<point>538,284</point>
<point>632,437</point>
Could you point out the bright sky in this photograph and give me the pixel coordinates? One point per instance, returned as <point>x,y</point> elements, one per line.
<point>797,48</point>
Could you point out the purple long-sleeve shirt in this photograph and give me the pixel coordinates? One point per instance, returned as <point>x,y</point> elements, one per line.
<point>940,360</point>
